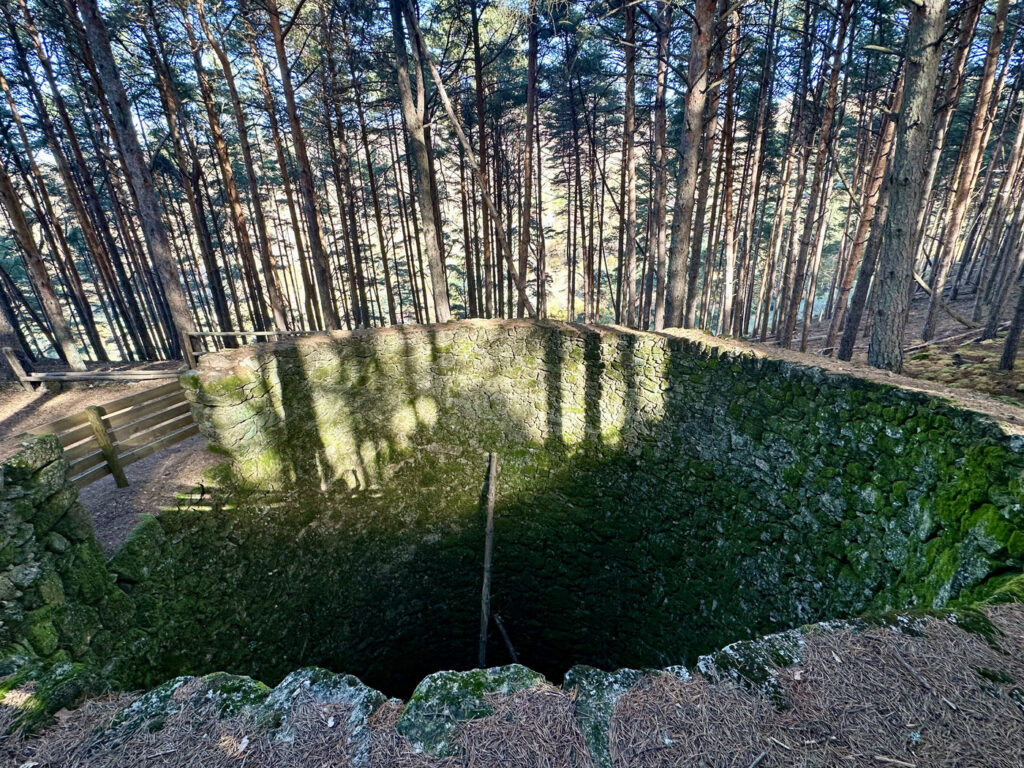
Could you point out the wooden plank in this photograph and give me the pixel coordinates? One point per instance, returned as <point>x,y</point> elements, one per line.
<point>76,435</point>
<point>60,425</point>
<point>19,372</point>
<point>141,439</point>
<point>102,375</point>
<point>148,450</point>
<point>140,397</point>
<point>128,415</point>
<point>81,449</point>
<point>91,476</point>
<point>106,444</point>
<point>123,433</point>
<point>88,462</point>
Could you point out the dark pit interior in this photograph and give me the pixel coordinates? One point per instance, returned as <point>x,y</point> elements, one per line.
<point>657,498</point>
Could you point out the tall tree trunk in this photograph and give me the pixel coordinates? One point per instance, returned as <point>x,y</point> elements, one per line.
<point>970,155</point>
<point>227,175</point>
<point>896,260</point>
<point>139,175</point>
<point>1009,356</point>
<point>66,345</point>
<point>628,218</point>
<point>868,209</point>
<point>481,127</point>
<point>189,174</point>
<point>729,253</point>
<point>748,247</point>
<point>531,108</point>
<point>677,301</point>
<point>413,112</point>
<point>504,248</point>
<point>374,192</point>
<point>812,221</point>
<point>91,226</point>
<point>307,192</point>
<point>313,317</point>
<point>262,238</point>
<point>659,212</point>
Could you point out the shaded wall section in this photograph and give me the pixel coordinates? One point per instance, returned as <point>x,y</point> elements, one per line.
<point>659,496</point>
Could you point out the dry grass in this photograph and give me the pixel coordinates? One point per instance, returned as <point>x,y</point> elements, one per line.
<point>535,728</point>
<point>194,736</point>
<point>873,698</point>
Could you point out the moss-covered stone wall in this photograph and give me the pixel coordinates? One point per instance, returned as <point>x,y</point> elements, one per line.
<point>58,601</point>
<point>658,497</point>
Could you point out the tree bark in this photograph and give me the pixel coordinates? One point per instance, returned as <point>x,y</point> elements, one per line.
<point>139,175</point>
<point>262,239</point>
<point>970,153</point>
<point>868,208</point>
<point>677,301</point>
<point>812,220</point>
<point>531,108</point>
<point>67,347</point>
<point>900,236</point>
<point>307,192</point>
<point>413,112</point>
<point>628,218</point>
<point>659,211</point>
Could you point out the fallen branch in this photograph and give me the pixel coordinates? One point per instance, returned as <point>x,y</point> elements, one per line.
<point>894,761</point>
<point>953,337</point>
<point>944,306</point>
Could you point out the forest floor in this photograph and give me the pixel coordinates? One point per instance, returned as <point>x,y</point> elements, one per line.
<point>955,358</point>
<point>937,695</point>
<point>152,482</point>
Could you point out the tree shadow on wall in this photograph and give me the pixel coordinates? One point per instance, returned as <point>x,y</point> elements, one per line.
<point>640,553</point>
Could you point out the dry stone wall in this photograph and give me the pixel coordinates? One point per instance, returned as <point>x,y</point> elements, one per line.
<point>659,496</point>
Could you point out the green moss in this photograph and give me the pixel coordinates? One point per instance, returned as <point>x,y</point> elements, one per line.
<point>659,497</point>
<point>444,699</point>
<point>142,550</point>
<point>596,693</point>
<point>39,631</point>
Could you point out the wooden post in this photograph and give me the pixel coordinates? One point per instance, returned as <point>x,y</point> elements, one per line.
<point>19,372</point>
<point>106,444</point>
<point>187,351</point>
<point>485,594</point>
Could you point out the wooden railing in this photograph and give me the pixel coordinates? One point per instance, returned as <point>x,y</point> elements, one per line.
<point>29,379</point>
<point>104,439</point>
<point>197,342</point>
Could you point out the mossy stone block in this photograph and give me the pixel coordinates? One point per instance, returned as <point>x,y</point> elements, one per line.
<point>444,699</point>
<point>39,631</point>
<point>141,552</point>
<point>35,453</point>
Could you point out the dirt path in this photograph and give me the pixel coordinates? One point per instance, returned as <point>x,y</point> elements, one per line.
<point>152,483</point>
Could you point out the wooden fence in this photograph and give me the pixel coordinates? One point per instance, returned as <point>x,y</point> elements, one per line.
<point>120,373</point>
<point>197,342</point>
<point>104,439</point>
